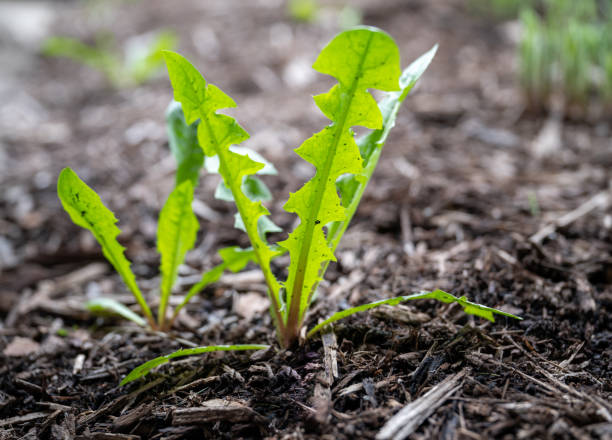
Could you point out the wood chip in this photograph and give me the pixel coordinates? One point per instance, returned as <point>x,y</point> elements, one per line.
<point>78,363</point>
<point>405,422</point>
<point>213,411</point>
<point>127,420</point>
<point>600,200</point>
<point>243,280</point>
<point>401,313</point>
<point>20,347</point>
<point>5,399</point>
<point>321,399</point>
<point>107,436</point>
<point>330,350</point>
<point>250,304</point>
<point>23,419</point>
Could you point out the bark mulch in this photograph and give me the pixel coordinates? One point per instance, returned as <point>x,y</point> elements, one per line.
<point>474,195</point>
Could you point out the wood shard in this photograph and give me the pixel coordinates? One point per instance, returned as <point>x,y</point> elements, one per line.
<point>330,350</point>
<point>107,436</point>
<point>321,399</point>
<point>213,411</point>
<point>21,347</point>
<point>405,422</point>
<point>129,419</point>
<point>23,419</point>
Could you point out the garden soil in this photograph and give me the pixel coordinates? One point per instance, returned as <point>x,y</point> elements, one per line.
<point>475,194</point>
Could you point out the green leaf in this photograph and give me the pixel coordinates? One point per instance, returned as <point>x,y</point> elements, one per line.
<point>216,132</point>
<point>109,305</point>
<point>183,141</point>
<point>352,187</point>
<point>212,163</point>
<point>102,57</point>
<point>359,59</point>
<point>255,189</point>
<point>144,369</point>
<point>234,259</point>
<point>176,234</point>
<point>468,307</point>
<point>87,210</point>
<point>252,187</point>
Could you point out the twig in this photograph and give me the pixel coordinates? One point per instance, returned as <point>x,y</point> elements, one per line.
<point>330,346</point>
<point>600,200</point>
<point>405,422</point>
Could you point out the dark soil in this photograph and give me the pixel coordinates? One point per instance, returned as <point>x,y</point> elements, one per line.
<point>467,180</point>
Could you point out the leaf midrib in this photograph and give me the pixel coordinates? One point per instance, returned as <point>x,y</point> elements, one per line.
<point>316,200</point>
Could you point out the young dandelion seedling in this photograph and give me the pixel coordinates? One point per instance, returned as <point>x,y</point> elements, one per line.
<point>177,226</point>
<point>360,59</point>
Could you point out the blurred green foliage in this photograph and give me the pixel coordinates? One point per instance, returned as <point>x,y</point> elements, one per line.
<point>565,48</point>
<point>501,9</point>
<point>311,11</point>
<point>303,10</point>
<point>140,61</point>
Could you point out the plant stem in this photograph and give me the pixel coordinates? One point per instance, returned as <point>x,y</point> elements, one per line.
<point>234,186</point>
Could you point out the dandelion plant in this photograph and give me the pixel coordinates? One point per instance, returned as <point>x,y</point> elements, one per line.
<point>360,60</point>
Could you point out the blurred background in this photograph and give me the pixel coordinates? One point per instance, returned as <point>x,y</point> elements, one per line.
<point>508,130</point>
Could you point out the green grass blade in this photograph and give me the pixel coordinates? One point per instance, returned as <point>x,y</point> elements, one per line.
<point>144,369</point>
<point>468,307</point>
<point>176,234</point>
<point>183,141</point>
<point>87,210</point>
<point>108,305</point>
<point>359,59</point>
<point>216,132</point>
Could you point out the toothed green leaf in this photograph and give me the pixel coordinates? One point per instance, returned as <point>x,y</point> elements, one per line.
<point>109,305</point>
<point>352,186</point>
<point>212,163</point>
<point>87,210</point>
<point>265,226</point>
<point>216,133</point>
<point>359,59</point>
<point>176,234</point>
<point>468,307</point>
<point>183,141</point>
<point>252,187</point>
<point>144,369</point>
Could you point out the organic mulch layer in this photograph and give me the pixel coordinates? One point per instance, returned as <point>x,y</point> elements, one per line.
<point>473,195</point>
<point>427,371</point>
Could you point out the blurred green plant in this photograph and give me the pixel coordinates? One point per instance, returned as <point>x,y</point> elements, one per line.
<point>565,48</point>
<point>139,62</point>
<point>308,11</point>
<point>502,9</point>
<point>303,10</point>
